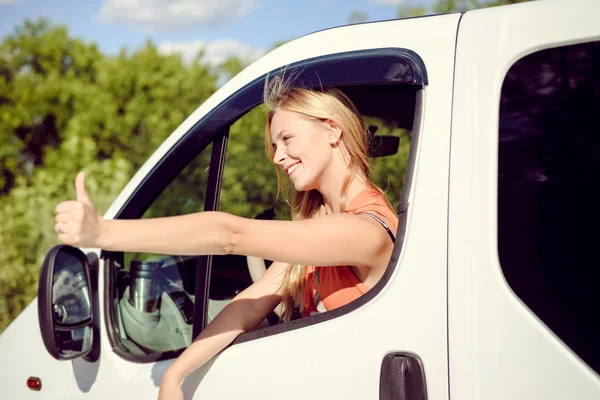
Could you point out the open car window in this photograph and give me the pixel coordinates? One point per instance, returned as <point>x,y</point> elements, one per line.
<point>154,304</point>
<point>249,187</point>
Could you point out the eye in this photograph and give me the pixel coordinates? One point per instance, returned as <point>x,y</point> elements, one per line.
<point>286,138</point>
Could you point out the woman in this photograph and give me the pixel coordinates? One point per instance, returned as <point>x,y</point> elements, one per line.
<point>342,223</point>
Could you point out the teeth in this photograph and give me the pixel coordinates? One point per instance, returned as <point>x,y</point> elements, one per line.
<point>292,168</point>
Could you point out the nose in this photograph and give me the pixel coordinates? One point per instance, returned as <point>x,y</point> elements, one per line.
<point>279,156</point>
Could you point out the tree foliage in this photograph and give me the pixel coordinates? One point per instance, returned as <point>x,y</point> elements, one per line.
<point>65,107</point>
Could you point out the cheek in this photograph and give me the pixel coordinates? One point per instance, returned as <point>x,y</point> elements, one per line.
<point>323,149</point>
<point>312,149</point>
<point>318,159</point>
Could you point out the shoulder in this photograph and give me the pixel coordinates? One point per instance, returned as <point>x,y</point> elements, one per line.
<point>373,201</point>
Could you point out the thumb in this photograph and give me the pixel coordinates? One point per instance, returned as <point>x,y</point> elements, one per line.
<point>81,192</point>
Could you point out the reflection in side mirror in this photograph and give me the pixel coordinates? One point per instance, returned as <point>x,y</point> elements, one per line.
<point>65,304</point>
<point>74,342</point>
<point>70,290</point>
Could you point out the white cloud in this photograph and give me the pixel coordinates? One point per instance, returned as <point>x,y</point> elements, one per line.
<point>388,2</point>
<point>172,15</point>
<point>215,52</point>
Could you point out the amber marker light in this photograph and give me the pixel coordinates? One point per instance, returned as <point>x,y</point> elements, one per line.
<point>34,383</point>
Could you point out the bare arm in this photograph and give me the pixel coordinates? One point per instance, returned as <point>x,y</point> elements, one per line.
<point>246,311</point>
<point>337,239</point>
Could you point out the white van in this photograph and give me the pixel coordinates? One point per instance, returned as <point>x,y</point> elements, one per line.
<point>492,291</point>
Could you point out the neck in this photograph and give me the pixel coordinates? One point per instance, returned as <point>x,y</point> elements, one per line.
<point>332,195</point>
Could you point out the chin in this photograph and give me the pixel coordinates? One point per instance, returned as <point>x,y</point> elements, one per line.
<point>305,183</point>
<point>302,186</point>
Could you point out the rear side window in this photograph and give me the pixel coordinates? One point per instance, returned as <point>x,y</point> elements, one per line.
<point>548,195</point>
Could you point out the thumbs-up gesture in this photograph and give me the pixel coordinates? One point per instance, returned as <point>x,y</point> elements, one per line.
<point>78,222</point>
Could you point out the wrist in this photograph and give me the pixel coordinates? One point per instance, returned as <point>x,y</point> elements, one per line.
<point>102,234</point>
<point>172,376</point>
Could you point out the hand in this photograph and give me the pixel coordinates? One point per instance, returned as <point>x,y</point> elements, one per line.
<point>77,222</point>
<point>170,389</point>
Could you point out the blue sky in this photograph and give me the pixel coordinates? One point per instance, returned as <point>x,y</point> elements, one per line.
<point>221,27</point>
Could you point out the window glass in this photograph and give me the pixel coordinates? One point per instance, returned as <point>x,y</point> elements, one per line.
<point>549,169</point>
<point>155,293</point>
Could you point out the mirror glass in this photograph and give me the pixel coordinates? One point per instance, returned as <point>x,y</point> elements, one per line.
<point>70,294</point>
<point>73,342</point>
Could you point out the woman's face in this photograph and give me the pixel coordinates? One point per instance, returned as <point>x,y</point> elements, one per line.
<point>302,148</point>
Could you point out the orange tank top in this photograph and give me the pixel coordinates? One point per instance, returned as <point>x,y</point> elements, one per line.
<point>328,288</point>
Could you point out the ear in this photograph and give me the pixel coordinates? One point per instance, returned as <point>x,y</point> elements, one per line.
<point>334,131</point>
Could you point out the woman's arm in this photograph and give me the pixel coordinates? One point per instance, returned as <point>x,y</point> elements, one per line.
<point>79,224</point>
<point>245,312</point>
<point>337,239</point>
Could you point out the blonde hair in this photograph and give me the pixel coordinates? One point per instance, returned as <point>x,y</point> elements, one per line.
<point>325,104</point>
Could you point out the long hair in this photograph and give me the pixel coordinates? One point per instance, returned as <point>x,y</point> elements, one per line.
<point>325,104</point>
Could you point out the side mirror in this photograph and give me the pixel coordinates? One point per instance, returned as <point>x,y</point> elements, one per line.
<point>66,305</point>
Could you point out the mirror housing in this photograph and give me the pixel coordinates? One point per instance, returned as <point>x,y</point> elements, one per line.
<point>67,313</point>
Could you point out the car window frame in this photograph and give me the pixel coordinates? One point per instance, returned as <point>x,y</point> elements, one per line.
<point>377,66</point>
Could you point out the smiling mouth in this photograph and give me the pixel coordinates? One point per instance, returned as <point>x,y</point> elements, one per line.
<point>292,169</point>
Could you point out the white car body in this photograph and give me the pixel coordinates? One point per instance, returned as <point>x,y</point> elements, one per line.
<point>447,300</point>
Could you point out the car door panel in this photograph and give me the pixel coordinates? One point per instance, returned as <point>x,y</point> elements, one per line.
<point>499,348</point>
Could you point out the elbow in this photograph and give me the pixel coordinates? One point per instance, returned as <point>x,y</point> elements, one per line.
<point>230,228</point>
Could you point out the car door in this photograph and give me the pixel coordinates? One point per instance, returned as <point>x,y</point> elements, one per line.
<point>522,262</point>
<point>399,328</point>
<point>341,355</point>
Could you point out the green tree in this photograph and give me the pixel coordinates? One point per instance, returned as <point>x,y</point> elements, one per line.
<point>65,107</point>
<point>42,72</point>
<point>249,178</point>
<point>231,67</point>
